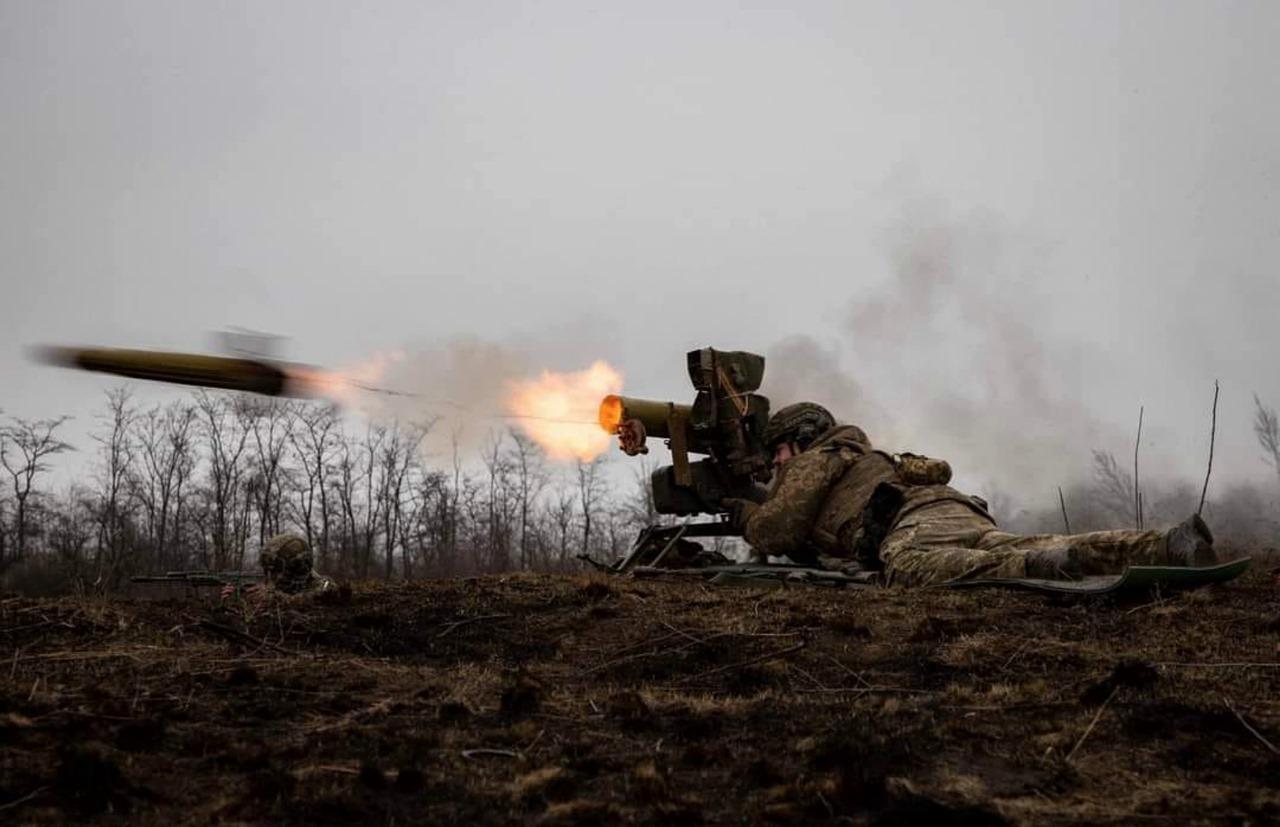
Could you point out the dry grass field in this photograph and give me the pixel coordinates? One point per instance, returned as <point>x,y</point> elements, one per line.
<point>582,700</point>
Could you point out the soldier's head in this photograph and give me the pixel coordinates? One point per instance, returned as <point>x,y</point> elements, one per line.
<point>286,561</point>
<point>794,428</point>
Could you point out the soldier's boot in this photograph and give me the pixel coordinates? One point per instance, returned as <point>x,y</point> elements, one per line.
<point>1190,543</point>
<point>1054,564</point>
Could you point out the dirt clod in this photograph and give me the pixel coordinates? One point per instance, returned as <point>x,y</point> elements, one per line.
<point>521,698</point>
<point>452,712</point>
<point>1127,673</point>
<point>242,675</point>
<point>547,784</point>
<point>141,736</point>
<point>410,780</point>
<point>89,781</point>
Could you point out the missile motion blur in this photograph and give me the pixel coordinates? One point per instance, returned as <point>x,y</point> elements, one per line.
<point>260,376</point>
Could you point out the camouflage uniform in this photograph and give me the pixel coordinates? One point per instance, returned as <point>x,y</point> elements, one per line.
<point>817,498</point>
<point>287,559</point>
<point>940,534</point>
<point>843,499</point>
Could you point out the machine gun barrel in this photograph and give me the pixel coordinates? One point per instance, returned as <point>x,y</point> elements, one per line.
<point>200,584</point>
<point>201,577</point>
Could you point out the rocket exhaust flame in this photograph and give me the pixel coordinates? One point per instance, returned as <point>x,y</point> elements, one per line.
<point>610,415</point>
<point>344,384</point>
<point>559,411</point>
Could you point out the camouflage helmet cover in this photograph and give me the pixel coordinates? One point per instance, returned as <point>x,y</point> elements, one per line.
<point>286,556</point>
<point>801,423</point>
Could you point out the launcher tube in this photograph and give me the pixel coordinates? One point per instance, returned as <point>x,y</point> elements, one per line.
<point>654,414</point>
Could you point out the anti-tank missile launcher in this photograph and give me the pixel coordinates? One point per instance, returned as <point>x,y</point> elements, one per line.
<point>724,423</point>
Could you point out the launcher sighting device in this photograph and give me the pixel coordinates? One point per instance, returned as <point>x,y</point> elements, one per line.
<point>723,425</point>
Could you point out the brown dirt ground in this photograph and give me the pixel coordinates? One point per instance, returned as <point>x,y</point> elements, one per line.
<point>574,700</point>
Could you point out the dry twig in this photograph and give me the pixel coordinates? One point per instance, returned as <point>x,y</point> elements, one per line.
<point>69,656</point>
<point>470,754</point>
<point>748,662</point>
<point>1137,490</point>
<point>684,634</point>
<point>1213,430</point>
<point>856,675</point>
<point>656,652</point>
<point>1092,724</point>
<point>238,636</point>
<point>1232,665</point>
<point>859,691</point>
<point>1247,726</point>
<point>312,769</point>
<point>18,802</point>
<point>451,626</point>
<point>1017,652</point>
<point>352,718</point>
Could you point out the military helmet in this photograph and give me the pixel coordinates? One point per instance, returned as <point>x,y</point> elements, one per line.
<point>800,423</point>
<point>287,556</point>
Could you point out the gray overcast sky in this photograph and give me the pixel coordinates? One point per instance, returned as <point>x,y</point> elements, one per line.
<point>952,199</point>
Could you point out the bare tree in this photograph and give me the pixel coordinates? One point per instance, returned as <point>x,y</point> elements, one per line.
<point>164,443</point>
<point>315,441</point>
<point>117,452</point>
<point>562,512</point>
<point>430,521</point>
<point>148,483</point>
<point>345,479</point>
<point>453,502</point>
<point>223,426</point>
<point>640,508</point>
<point>71,531</point>
<point>501,505</point>
<point>25,445</point>
<point>590,492</point>
<point>370,448</point>
<point>181,427</point>
<point>531,479</point>
<point>361,499</point>
<point>399,451</point>
<point>271,423</point>
<point>472,508</point>
<point>1112,486</point>
<point>1267,428</point>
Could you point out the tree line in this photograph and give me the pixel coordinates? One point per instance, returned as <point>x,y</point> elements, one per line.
<point>201,482</point>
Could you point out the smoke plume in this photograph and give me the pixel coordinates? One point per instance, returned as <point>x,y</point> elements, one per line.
<point>963,370</point>
<point>458,387</point>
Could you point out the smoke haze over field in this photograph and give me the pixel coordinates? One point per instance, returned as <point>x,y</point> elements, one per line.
<point>990,232</point>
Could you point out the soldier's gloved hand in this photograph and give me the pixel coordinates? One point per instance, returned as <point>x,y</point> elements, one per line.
<point>740,510</point>
<point>257,593</point>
